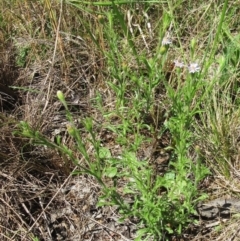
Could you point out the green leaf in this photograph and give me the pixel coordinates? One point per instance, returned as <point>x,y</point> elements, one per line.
<point>170,176</point>
<point>111,172</point>
<point>104,153</point>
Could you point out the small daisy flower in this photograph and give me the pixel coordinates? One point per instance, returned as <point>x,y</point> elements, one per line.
<point>194,68</point>
<point>167,40</point>
<point>179,64</point>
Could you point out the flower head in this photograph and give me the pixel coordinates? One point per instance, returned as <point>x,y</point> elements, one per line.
<point>167,40</point>
<point>179,64</point>
<point>194,68</point>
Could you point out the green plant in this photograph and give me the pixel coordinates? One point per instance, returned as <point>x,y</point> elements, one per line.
<point>22,54</point>
<point>157,211</point>
<point>35,239</point>
<point>162,204</point>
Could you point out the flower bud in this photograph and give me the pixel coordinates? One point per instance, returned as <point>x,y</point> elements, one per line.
<point>71,130</point>
<point>163,49</point>
<point>193,44</point>
<point>60,96</point>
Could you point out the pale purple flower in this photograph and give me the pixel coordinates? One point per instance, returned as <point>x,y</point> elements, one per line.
<point>167,40</point>
<point>179,64</point>
<point>194,68</point>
